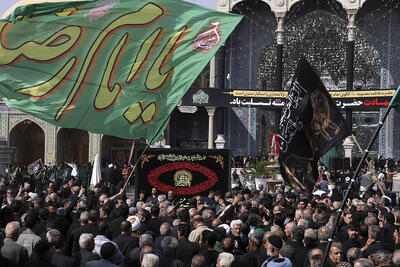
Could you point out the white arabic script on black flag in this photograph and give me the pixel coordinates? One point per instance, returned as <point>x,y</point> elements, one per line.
<point>310,125</point>
<point>35,166</point>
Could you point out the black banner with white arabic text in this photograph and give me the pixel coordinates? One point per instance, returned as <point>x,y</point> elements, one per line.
<point>368,100</point>
<point>310,125</point>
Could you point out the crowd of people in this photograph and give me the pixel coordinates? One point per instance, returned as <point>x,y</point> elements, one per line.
<point>58,221</point>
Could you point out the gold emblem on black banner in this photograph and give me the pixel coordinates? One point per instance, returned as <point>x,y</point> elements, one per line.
<point>183,178</point>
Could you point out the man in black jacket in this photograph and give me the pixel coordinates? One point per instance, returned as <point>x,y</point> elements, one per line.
<point>253,257</point>
<point>116,177</point>
<point>59,258</point>
<point>207,243</point>
<point>353,236</point>
<point>105,212</point>
<point>91,227</point>
<point>144,217</point>
<point>373,244</point>
<point>168,258</point>
<point>45,252</point>
<point>165,230</point>
<point>107,174</point>
<point>335,255</point>
<point>125,241</point>
<point>155,222</point>
<point>123,212</point>
<point>297,243</point>
<point>86,243</point>
<point>186,249</point>
<point>387,231</point>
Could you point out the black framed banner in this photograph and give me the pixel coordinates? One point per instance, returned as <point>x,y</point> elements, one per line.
<point>367,100</point>
<point>187,172</point>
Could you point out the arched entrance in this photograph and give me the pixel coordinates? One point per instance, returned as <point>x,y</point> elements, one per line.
<point>73,145</point>
<point>115,150</point>
<point>28,139</point>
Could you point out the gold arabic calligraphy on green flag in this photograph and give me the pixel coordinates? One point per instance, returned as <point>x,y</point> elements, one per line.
<point>116,67</point>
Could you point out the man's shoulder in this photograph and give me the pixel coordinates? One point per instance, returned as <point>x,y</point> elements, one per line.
<point>203,227</point>
<point>60,257</point>
<point>93,263</point>
<point>6,262</point>
<point>122,238</point>
<point>100,263</point>
<point>185,243</point>
<point>298,246</point>
<point>351,241</point>
<point>155,220</point>
<point>88,255</point>
<point>90,228</point>
<point>40,262</point>
<point>29,235</point>
<point>9,243</point>
<point>117,220</point>
<point>78,230</point>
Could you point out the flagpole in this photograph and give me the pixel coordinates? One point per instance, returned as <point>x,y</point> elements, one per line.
<point>134,166</point>
<point>369,166</point>
<point>131,152</point>
<point>340,210</point>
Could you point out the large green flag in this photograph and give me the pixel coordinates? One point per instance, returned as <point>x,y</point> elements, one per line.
<point>116,67</point>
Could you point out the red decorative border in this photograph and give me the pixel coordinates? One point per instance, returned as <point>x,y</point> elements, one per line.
<point>153,176</point>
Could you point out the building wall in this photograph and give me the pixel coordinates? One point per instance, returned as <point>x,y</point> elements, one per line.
<point>377,26</point>
<point>9,118</point>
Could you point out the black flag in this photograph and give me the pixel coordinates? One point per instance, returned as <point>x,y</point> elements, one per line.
<point>311,124</point>
<point>34,167</point>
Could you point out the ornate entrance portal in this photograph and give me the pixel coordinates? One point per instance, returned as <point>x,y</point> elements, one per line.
<point>115,150</point>
<point>28,139</point>
<point>73,145</point>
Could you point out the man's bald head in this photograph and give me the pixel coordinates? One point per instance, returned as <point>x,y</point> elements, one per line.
<point>216,222</point>
<point>192,212</point>
<point>145,250</point>
<point>323,233</point>
<point>228,244</point>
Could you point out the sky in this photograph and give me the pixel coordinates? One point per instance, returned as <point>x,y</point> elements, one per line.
<point>6,4</point>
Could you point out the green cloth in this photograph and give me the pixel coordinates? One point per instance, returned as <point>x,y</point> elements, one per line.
<point>218,247</point>
<point>217,207</point>
<point>259,231</point>
<point>330,154</point>
<point>116,67</point>
<point>395,102</point>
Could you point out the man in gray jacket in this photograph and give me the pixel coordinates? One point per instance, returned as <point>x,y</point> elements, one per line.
<point>28,238</point>
<point>11,250</point>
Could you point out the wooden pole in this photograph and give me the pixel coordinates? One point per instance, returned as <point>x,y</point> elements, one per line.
<point>134,167</point>
<point>369,166</point>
